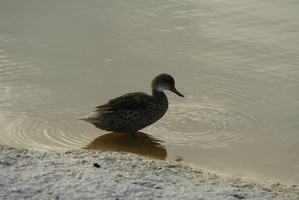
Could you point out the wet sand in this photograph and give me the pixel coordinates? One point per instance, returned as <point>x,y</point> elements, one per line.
<point>89,174</point>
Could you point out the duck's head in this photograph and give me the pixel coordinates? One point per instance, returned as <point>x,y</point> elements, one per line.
<point>164,82</point>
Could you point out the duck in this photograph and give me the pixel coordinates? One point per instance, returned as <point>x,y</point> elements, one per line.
<point>134,111</point>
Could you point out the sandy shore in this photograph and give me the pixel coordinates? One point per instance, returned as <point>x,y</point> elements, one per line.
<point>83,174</point>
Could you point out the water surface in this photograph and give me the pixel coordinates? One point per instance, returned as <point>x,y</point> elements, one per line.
<point>236,63</point>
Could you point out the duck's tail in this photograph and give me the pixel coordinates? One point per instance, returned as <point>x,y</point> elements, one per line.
<point>93,117</point>
<point>90,119</point>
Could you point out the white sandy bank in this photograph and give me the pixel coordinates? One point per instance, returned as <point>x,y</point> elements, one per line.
<point>82,174</point>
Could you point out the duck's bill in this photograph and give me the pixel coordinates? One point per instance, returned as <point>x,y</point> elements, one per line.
<point>173,89</point>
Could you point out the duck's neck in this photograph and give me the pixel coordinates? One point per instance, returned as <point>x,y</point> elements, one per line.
<point>159,95</point>
<point>160,101</point>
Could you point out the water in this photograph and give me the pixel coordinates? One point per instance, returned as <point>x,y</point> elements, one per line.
<point>236,63</point>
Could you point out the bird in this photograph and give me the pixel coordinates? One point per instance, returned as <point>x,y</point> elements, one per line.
<point>134,111</point>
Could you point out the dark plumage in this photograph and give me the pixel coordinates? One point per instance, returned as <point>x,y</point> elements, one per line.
<point>134,111</point>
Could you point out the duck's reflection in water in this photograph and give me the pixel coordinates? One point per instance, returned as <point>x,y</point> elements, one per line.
<point>141,144</point>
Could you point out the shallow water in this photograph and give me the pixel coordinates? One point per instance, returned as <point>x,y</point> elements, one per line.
<point>236,63</point>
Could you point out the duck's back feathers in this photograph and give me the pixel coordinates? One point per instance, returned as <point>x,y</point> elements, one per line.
<point>129,101</point>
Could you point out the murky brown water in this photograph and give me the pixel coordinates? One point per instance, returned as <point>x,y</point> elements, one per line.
<point>236,63</point>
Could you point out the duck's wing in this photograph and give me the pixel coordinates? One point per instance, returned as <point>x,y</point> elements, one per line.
<point>130,101</point>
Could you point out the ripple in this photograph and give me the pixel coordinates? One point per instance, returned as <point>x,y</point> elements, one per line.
<point>25,112</point>
<point>14,70</point>
<point>39,134</point>
<point>208,125</point>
